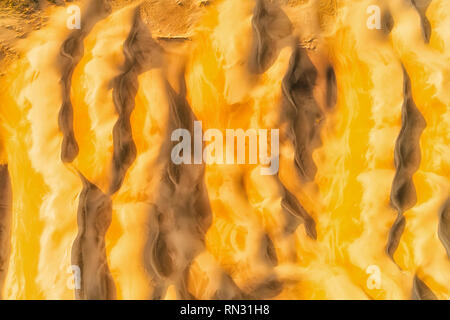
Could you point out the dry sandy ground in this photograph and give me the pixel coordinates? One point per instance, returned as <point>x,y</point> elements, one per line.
<point>16,21</point>
<point>168,18</point>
